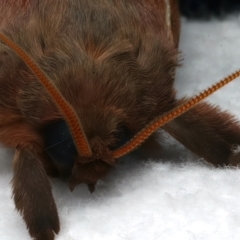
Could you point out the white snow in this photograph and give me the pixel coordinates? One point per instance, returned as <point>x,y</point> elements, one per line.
<point>178,197</point>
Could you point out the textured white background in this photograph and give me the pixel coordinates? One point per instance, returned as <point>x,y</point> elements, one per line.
<point>177,197</point>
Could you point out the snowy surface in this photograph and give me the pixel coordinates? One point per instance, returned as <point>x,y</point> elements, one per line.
<point>179,196</point>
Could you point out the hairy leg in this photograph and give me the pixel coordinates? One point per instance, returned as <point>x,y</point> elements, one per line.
<point>208,132</point>
<point>32,193</point>
<point>150,149</point>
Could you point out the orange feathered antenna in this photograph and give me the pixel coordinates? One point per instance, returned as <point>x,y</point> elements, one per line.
<point>75,124</point>
<point>139,138</point>
<point>65,108</point>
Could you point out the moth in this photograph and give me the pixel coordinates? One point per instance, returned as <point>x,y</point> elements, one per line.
<point>84,82</point>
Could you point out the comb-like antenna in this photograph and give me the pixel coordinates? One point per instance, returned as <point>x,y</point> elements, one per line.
<point>69,114</point>
<point>140,137</point>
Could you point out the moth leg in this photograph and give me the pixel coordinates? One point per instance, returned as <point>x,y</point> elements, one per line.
<point>32,193</point>
<point>150,149</point>
<point>208,132</point>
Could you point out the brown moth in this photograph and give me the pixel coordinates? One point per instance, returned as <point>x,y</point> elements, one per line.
<point>106,68</point>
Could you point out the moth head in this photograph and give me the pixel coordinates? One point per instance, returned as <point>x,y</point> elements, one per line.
<point>61,148</point>
<point>90,161</point>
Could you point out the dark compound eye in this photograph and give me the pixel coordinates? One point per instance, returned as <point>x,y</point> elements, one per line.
<point>59,144</point>
<point>122,136</point>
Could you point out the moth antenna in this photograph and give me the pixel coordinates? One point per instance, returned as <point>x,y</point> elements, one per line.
<point>65,108</point>
<point>140,137</point>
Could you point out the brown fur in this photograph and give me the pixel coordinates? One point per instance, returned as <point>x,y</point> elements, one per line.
<point>114,62</point>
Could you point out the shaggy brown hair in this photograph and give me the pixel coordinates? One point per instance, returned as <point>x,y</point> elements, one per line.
<point>113,61</point>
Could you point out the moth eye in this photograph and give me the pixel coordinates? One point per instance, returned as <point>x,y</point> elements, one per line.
<point>123,135</point>
<point>59,143</point>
